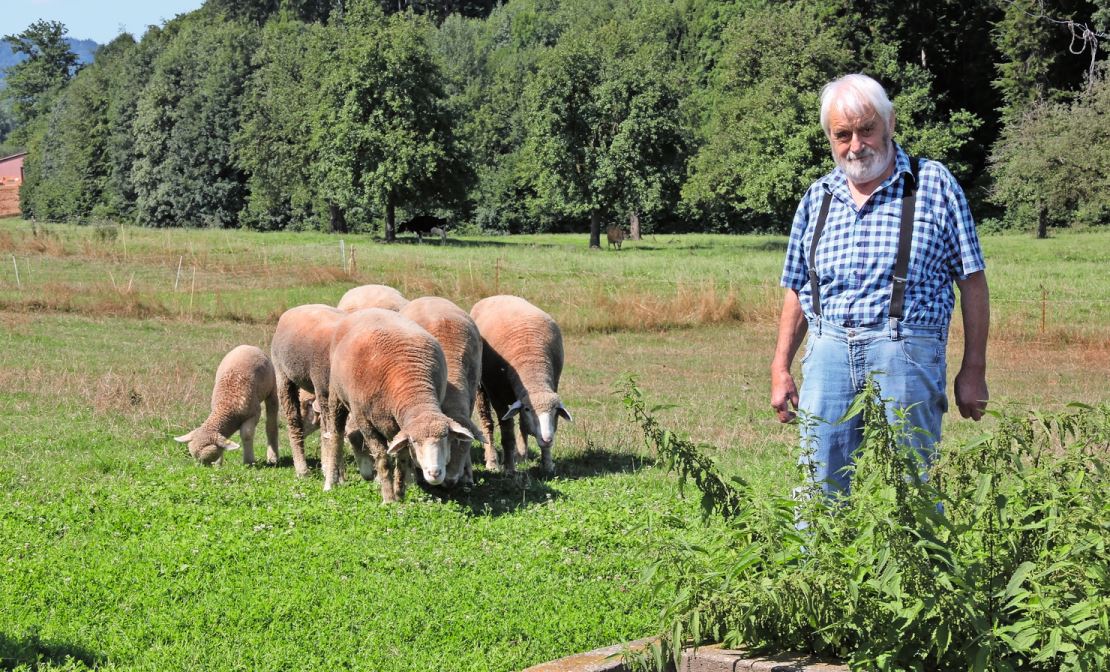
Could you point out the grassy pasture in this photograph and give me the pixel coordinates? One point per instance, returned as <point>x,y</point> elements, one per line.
<point>117,552</point>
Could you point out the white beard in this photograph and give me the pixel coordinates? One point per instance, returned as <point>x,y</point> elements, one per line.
<point>866,165</point>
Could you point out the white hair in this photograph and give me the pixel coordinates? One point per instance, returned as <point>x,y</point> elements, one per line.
<point>853,96</point>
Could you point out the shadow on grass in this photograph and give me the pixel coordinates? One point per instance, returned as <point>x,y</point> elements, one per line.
<point>497,493</point>
<point>32,653</point>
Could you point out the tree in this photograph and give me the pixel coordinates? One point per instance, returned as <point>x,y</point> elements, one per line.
<point>1052,166</point>
<point>32,84</point>
<point>185,171</point>
<point>602,137</point>
<point>273,145</point>
<point>383,135</point>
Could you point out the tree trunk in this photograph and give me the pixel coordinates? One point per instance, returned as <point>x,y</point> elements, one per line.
<point>1042,223</point>
<point>337,220</point>
<point>390,219</point>
<point>595,229</point>
<point>634,225</point>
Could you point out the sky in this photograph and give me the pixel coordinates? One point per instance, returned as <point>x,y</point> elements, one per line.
<point>98,20</point>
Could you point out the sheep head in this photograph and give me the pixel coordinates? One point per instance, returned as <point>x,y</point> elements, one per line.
<point>206,445</point>
<point>540,413</point>
<point>430,439</point>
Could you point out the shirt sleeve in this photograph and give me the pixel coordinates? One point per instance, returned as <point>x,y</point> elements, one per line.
<point>795,270</point>
<point>965,255</point>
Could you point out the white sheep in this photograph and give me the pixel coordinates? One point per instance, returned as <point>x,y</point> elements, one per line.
<point>388,379</point>
<point>462,348</point>
<point>372,296</point>
<point>301,352</point>
<point>522,359</point>
<point>244,380</point>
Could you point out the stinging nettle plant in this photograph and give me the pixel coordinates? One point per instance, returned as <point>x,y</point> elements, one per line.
<point>996,560</point>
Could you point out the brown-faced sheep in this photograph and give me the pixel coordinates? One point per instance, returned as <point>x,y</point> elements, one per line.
<point>615,235</point>
<point>388,379</point>
<point>522,359</point>
<point>244,381</point>
<point>462,347</point>
<point>301,351</point>
<point>372,296</point>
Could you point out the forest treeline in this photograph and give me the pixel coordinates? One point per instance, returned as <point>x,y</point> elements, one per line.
<point>552,115</point>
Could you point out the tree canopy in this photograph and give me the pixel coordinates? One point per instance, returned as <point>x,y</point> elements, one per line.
<point>543,115</point>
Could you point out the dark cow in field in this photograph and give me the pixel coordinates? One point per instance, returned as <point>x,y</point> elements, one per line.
<point>424,225</point>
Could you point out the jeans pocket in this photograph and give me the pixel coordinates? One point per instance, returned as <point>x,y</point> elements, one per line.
<point>808,349</point>
<point>923,350</point>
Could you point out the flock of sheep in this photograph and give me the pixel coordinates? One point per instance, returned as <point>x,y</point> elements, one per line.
<point>399,380</point>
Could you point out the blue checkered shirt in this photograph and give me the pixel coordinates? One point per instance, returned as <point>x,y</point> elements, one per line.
<point>856,251</point>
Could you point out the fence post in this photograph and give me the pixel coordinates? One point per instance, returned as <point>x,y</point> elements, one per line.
<point>1044,307</point>
<point>178,278</point>
<point>18,283</point>
<point>342,255</point>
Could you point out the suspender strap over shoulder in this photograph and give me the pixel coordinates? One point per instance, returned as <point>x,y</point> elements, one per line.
<point>905,239</point>
<point>902,258</point>
<point>814,281</point>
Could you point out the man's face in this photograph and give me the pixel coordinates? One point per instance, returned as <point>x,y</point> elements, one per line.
<point>860,145</point>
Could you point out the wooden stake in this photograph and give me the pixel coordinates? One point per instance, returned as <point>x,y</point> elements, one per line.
<point>192,290</point>
<point>18,283</point>
<point>177,280</point>
<point>1044,307</point>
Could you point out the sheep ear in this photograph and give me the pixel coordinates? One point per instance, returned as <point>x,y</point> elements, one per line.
<point>563,412</point>
<point>184,438</point>
<point>227,444</point>
<point>459,430</point>
<point>513,410</point>
<point>397,443</point>
<point>316,405</point>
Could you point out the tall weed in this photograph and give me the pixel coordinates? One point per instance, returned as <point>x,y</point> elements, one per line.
<point>997,561</point>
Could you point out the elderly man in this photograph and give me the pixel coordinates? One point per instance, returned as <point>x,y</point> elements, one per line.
<point>874,248</point>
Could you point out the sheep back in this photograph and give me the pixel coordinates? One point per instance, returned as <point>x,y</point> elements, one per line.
<point>372,296</point>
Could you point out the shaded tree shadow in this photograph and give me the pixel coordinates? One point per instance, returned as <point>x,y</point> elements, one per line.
<point>34,653</point>
<point>772,246</point>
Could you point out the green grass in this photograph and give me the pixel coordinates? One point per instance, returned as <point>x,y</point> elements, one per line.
<point>118,552</point>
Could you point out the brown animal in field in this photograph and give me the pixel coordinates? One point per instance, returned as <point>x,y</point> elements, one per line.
<point>615,235</point>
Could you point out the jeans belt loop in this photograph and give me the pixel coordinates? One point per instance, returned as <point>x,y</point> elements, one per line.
<point>817,324</point>
<point>895,332</point>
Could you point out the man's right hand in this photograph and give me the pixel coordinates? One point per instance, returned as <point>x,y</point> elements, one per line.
<point>784,395</point>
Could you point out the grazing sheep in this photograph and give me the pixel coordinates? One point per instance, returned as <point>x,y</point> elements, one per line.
<point>388,379</point>
<point>462,347</point>
<point>522,359</point>
<point>423,225</point>
<point>372,296</point>
<point>244,380</point>
<point>301,351</point>
<point>615,235</point>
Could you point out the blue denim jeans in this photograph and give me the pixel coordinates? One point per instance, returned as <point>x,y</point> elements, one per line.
<point>909,365</point>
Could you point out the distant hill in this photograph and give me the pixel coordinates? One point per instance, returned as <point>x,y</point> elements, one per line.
<point>85,49</point>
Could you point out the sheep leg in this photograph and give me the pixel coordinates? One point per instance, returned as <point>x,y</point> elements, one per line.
<point>288,396</point>
<point>341,415</point>
<point>486,418</point>
<point>246,435</point>
<point>271,428</point>
<point>403,472</point>
<point>330,441</point>
<point>363,458</point>
<point>381,464</point>
<point>508,444</point>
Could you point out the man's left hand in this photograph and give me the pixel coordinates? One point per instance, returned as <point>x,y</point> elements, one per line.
<point>971,393</point>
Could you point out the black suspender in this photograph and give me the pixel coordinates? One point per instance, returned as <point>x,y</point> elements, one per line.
<point>902,258</point>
